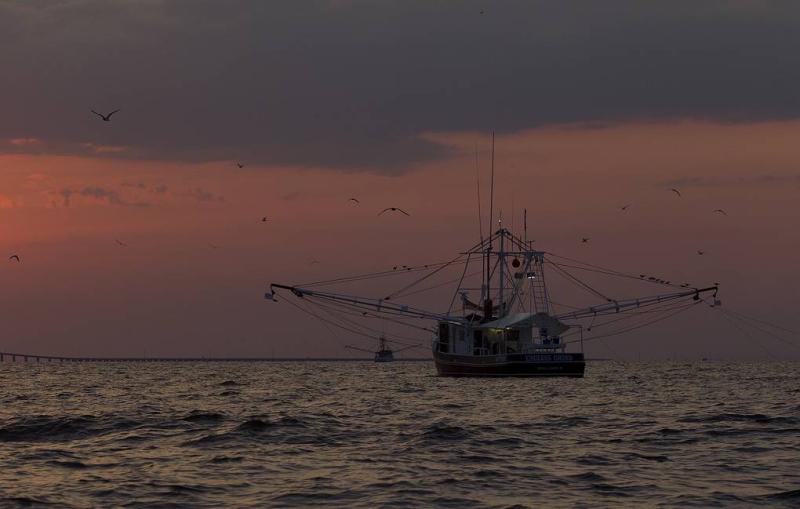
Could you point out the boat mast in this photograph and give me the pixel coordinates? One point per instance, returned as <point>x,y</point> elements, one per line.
<point>487,304</point>
<point>501,262</point>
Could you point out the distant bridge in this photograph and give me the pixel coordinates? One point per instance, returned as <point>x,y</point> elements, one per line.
<point>27,357</point>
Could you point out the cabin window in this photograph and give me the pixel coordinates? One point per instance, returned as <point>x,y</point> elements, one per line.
<point>512,341</point>
<point>444,337</point>
<point>444,331</point>
<point>477,342</point>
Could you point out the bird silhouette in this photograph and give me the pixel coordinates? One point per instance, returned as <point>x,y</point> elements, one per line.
<point>264,219</point>
<point>14,257</point>
<point>106,118</point>
<point>213,246</point>
<point>239,165</point>
<point>313,261</point>
<point>393,209</point>
<point>720,211</point>
<point>354,200</point>
<point>676,192</point>
<point>701,252</point>
<point>120,243</point>
<point>625,207</point>
<point>585,240</point>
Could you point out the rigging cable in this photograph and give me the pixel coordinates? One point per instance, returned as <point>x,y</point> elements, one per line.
<point>733,316</point>
<point>579,282</point>
<point>639,326</point>
<point>607,271</point>
<point>375,275</point>
<point>331,312</point>
<point>751,338</point>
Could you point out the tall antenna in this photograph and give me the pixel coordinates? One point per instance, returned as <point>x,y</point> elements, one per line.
<point>491,241</point>
<point>525,224</point>
<point>513,210</point>
<point>491,195</point>
<point>478,180</point>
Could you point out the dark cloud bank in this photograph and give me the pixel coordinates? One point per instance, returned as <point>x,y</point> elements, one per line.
<point>353,84</point>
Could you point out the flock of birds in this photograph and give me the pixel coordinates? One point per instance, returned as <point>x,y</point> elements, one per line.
<point>624,208</point>
<point>356,201</point>
<point>107,118</point>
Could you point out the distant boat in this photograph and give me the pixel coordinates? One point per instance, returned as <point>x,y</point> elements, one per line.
<point>383,353</point>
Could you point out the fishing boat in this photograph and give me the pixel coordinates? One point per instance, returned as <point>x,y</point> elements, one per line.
<point>512,326</point>
<point>512,330</point>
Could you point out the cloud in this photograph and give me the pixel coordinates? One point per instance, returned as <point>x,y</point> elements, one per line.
<point>6,202</point>
<point>103,149</point>
<point>353,84</point>
<point>202,195</point>
<point>141,186</point>
<point>291,196</point>
<point>108,196</point>
<point>19,142</point>
<point>732,181</point>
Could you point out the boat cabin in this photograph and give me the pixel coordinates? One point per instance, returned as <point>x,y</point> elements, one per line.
<point>519,333</point>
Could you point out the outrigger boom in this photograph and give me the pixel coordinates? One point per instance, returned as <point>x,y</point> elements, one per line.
<point>384,306</point>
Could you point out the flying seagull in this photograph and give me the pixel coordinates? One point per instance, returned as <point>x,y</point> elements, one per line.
<point>721,212</point>
<point>584,240</point>
<point>313,261</point>
<point>701,252</point>
<point>121,243</point>
<point>676,192</point>
<point>106,118</point>
<point>354,200</point>
<point>393,209</point>
<point>625,207</point>
<point>240,165</point>
<point>264,219</point>
<point>14,257</point>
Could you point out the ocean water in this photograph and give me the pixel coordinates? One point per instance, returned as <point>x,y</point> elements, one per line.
<point>359,434</point>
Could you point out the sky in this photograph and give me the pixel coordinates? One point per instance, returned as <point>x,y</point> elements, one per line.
<point>141,236</point>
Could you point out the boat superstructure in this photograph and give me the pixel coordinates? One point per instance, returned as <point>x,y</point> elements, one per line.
<point>510,330</point>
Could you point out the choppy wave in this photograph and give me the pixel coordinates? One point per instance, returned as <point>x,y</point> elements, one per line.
<point>364,435</point>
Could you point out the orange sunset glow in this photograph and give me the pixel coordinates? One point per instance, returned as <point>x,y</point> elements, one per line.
<point>399,254</point>
<point>198,256</point>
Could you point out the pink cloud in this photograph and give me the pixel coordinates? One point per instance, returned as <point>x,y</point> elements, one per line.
<point>21,142</point>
